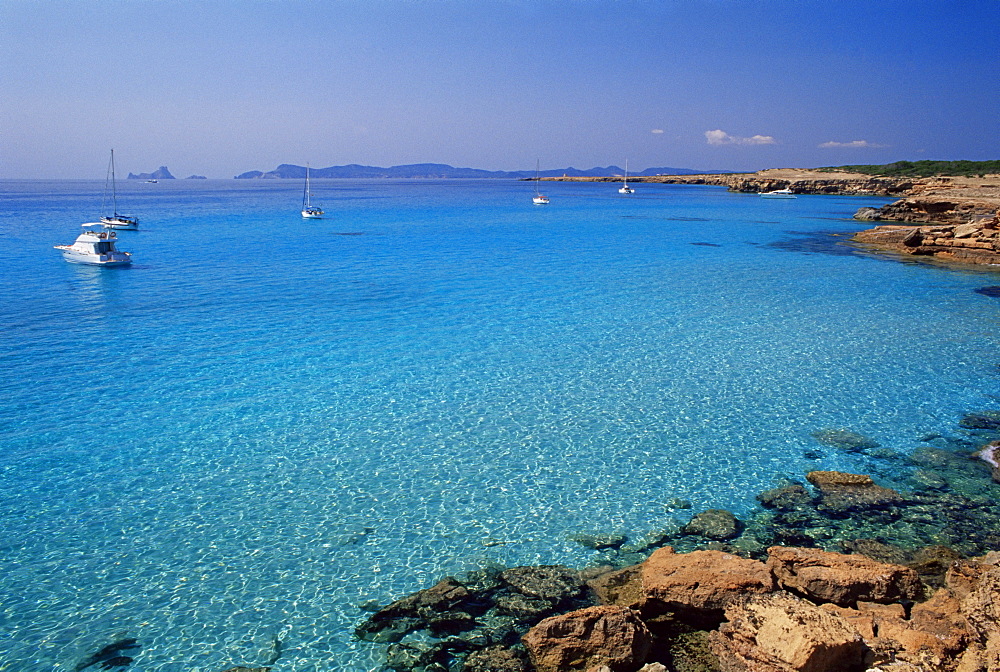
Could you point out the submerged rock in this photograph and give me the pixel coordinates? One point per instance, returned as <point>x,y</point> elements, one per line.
<point>789,497</point>
<point>845,440</point>
<point>550,582</point>
<point>842,493</point>
<point>717,524</point>
<point>493,659</point>
<point>599,541</point>
<point>989,420</point>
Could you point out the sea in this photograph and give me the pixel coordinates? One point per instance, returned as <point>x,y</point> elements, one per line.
<point>230,450</point>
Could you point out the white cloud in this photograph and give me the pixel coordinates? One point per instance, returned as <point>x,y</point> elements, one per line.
<point>719,137</point>
<point>657,131</point>
<point>853,144</point>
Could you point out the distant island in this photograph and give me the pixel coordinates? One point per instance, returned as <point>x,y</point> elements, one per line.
<point>195,177</point>
<point>440,170</point>
<point>159,174</point>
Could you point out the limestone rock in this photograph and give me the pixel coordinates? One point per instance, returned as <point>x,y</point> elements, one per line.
<point>588,638</point>
<point>782,633</point>
<point>842,579</point>
<point>701,581</point>
<point>982,604</point>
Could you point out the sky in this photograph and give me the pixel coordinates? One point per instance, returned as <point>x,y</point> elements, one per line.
<point>220,87</point>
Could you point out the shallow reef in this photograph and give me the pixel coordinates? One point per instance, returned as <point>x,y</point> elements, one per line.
<point>938,506</point>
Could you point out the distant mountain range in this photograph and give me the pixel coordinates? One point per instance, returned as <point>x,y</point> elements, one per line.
<point>440,170</point>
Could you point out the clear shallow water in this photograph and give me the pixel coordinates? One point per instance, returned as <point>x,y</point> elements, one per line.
<point>266,422</point>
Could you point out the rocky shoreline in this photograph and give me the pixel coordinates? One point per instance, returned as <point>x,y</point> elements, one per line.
<point>957,218</point>
<point>836,573</point>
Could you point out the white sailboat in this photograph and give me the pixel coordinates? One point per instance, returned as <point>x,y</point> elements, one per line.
<point>309,211</point>
<point>538,199</point>
<point>625,188</point>
<point>115,221</point>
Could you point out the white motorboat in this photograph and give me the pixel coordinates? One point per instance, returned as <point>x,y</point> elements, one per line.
<point>95,246</point>
<point>777,193</point>
<point>116,221</point>
<point>538,199</point>
<point>625,188</point>
<point>309,211</point>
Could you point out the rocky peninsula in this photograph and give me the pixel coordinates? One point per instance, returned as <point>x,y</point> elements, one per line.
<point>949,219</point>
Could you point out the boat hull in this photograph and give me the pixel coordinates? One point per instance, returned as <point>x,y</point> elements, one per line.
<point>312,214</point>
<point>107,260</point>
<point>120,224</point>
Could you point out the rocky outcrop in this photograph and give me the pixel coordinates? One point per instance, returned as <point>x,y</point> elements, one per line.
<point>160,173</point>
<point>700,584</point>
<point>842,579</point>
<point>974,240</point>
<point>990,454</point>
<point>799,181</point>
<point>587,639</point>
<point>782,633</point>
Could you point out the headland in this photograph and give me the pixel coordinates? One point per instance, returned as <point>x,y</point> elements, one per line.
<point>953,219</point>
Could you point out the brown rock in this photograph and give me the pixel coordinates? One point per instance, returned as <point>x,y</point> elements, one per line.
<point>622,587</point>
<point>843,493</point>
<point>493,659</point>
<point>933,636</point>
<point>588,638</point>
<point>982,604</point>
<point>701,581</point>
<point>782,633</point>
<point>963,576</point>
<point>550,582</point>
<point>717,524</point>
<point>841,579</point>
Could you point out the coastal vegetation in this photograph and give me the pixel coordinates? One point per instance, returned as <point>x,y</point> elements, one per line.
<point>923,169</point>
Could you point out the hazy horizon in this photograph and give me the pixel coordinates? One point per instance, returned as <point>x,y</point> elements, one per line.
<point>221,87</point>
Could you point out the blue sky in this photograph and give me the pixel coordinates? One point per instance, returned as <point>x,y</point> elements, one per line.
<point>219,87</point>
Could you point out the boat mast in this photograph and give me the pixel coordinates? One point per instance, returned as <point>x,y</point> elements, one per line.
<point>305,193</point>
<point>114,188</point>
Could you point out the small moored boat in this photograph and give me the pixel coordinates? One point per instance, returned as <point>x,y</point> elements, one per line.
<point>625,188</point>
<point>95,247</point>
<point>116,221</point>
<point>777,193</point>
<point>539,198</point>
<point>309,211</point>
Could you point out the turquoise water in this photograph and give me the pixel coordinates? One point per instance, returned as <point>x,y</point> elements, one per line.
<point>266,421</point>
